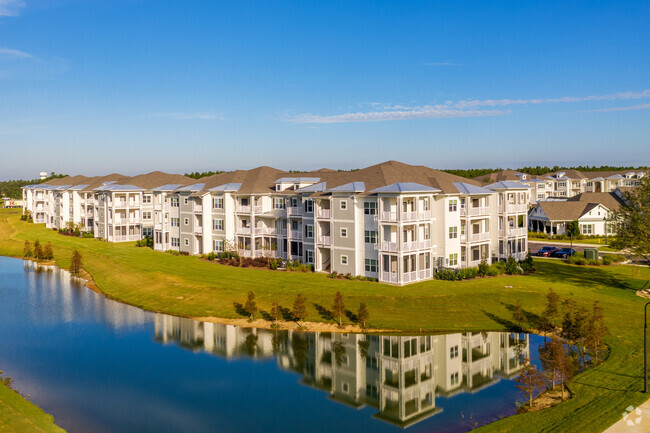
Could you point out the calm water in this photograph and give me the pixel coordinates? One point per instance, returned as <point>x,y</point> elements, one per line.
<point>101,366</point>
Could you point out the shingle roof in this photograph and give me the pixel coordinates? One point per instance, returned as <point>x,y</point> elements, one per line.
<point>607,199</point>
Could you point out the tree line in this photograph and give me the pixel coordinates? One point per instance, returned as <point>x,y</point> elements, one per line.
<point>13,188</point>
<point>538,170</point>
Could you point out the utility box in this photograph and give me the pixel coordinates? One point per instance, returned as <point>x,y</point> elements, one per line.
<point>591,254</point>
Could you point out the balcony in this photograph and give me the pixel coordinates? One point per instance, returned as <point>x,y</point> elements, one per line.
<point>474,211</point>
<point>161,206</point>
<point>479,237</point>
<point>294,211</point>
<point>389,216</point>
<point>424,215</point>
<point>324,240</point>
<point>125,238</point>
<point>516,231</point>
<point>324,213</point>
<point>198,208</point>
<point>198,230</point>
<point>265,230</point>
<point>409,216</point>
<point>243,209</point>
<point>281,231</point>
<point>516,208</point>
<point>389,246</point>
<point>296,234</point>
<point>416,245</point>
<point>258,209</point>
<point>243,230</point>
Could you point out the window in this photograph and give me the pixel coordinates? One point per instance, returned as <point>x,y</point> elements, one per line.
<point>462,229</point>
<point>453,259</point>
<point>346,387</point>
<point>309,231</point>
<point>185,200</point>
<point>454,379</point>
<point>218,245</point>
<point>218,224</point>
<point>371,265</point>
<point>175,242</point>
<point>453,205</point>
<point>309,206</point>
<point>146,215</point>
<point>587,229</point>
<point>175,222</point>
<point>218,203</point>
<point>541,186</point>
<point>344,260</point>
<point>453,352</point>
<point>294,202</point>
<point>187,242</point>
<point>147,232</point>
<point>344,204</point>
<point>427,235</point>
<point>173,201</point>
<point>371,237</point>
<point>344,232</point>
<point>186,221</point>
<point>561,184</point>
<point>453,232</point>
<point>310,256</point>
<point>146,199</point>
<point>425,204</point>
<point>279,203</point>
<point>540,196</point>
<point>370,208</point>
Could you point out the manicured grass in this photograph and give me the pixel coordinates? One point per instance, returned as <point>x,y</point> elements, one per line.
<point>18,415</point>
<point>189,286</point>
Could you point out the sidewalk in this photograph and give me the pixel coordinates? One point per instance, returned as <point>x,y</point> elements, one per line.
<point>636,421</point>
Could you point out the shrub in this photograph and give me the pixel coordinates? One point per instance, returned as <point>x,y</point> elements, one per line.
<point>493,271</point>
<point>445,274</point>
<point>482,268</point>
<point>512,267</point>
<point>616,257</point>
<point>87,235</point>
<point>607,259</point>
<point>273,265</point>
<point>211,256</point>
<point>576,260</point>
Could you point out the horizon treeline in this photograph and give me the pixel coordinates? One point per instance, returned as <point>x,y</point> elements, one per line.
<point>13,188</point>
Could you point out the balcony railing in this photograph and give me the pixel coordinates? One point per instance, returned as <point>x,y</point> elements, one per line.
<point>198,208</point>
<point>198,230</point>
<point>294,211</point>
<point>125,238</point>
<point>474,211</point>
<point>479,237</point>
<point>324,240</point>
<point>323,213</point>
<point>281,231</point>
<point>512,208</point>
<point>243,209</point>
<point>389,246</point>
<point>258,209</point>
<point>517,231</point>
<point>296,234</point>
<point>389,216</point>
<point>424,215</point>
<point>244,230</point>
<point>416,245</point>
<point>265,230</point>
<point>409,216</point>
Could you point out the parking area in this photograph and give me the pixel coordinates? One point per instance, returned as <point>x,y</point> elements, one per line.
<point>534,246</point>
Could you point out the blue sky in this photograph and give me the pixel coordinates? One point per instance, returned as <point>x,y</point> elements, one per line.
<point>97,86</point>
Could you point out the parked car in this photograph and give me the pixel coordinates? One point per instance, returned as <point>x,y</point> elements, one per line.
<point>546,251</point>
<point>564,253</point>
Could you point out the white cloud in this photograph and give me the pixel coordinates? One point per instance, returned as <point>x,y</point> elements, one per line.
<point>631,107</point>
<point>10,52</point>
<point>190,116</point>
<point>11,8</point>
<point>463,108</point>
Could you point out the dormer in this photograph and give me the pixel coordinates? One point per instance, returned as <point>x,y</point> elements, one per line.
<point>294,183</point>
<point>560,174</point>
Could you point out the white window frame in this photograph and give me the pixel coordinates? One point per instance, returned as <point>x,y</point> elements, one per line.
<point>217,203</point>
<point>343,205</point>
<point>344,232</point>
<point>370,208</point>
<point>187,242</point>
<point>344,259</point>
<point>217,224</point>
<point>218,245</point>
<point>186,221</point>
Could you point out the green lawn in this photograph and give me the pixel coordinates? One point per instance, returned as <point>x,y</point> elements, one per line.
<point>189,286</point>
<point>19,415</point>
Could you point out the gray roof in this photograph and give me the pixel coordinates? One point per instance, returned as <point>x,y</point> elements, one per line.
<point>227,187</point>
<point>193,187</point>
<point>78,187</point>
<point>115,187</point>
<point>350,187</point>
<point>507,184</point>
<point>297,179</point>
<point>171,187</point>
<point>468,188</point>
<point>317,187</point>
<point>616,176</point>
<point>406,187</point>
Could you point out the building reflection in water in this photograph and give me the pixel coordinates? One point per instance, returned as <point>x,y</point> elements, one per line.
<point>400,376</point>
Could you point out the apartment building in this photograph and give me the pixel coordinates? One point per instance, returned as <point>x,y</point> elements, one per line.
<point>399,376</point>
<point>567,183</point>
<point>391,221</point>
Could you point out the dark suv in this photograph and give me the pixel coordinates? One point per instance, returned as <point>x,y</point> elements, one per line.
<point>564,253</point>
<point>546,251</point>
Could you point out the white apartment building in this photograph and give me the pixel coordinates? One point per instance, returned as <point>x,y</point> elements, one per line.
<point>392,221</point>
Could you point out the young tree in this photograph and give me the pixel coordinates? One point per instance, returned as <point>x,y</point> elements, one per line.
<point>530,380</point>
<point>75,262</point>
<point>363,315</point>
<point>596,332</point>
<point>251,306</point>
<point>338,351</point>
<point>38,250</point>
<point>275,312</point>
<point>553,356</point>
<point>518,315</point>
<point>299,311</point>
<point>552,306</point>
<point>339,307</point>
<point>47,252</point>
<point>632,219</point>
<point>573,229</point>
<point>27,249</point>
<point>512,268</point>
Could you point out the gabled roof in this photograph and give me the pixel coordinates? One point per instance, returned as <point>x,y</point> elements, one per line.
<point>507,184</point>
<point>297,179</point>
<point>118,187</point>
<point>466,188</point>
<point>349,187</point>
<point>192,188</point>
<point>166,188</point>
<point>405,187</point>
<point>317,187</point>
<point>227,187</point>
<point>608,199</point>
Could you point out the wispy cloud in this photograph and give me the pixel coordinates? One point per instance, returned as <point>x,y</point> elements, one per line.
<point>441,64</point>
<point>10,52</point>
<point>462,108</point>
<point>11,8</point>
<point>190,116</point>
<point>631,107</point>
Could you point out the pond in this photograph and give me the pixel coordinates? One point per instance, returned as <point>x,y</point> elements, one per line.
<point>102,366</point>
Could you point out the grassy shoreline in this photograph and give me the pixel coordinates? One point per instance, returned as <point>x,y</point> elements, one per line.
<point>18,415</point>
<point>189,286</point>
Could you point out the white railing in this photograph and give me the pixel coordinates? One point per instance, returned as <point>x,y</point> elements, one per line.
<point>323,213</point>
<point>424,274</point>
<point>265,230</point>
<point>281,231</point>
<point>416,245</point>
<point>424,215</point>
<point>517,231</point>
<point>388,246</point>
<point>157,206</point>
<point>246,253</point>
<point>407,277</point>
<point>243,209</point>
<point>296,234</point>
<point>124,238</point>
<point>409,216</point>
<point>258,209</point>
<point>198,208</point>
<point>323,240</point>
<point>390,277</point>
<point>516,207</point>
<point>244,230</point>
<point>479,211</point>
<point>294,211</point>
<point>389,216</point>
<point>479,237</point>
<point>198,230</point>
